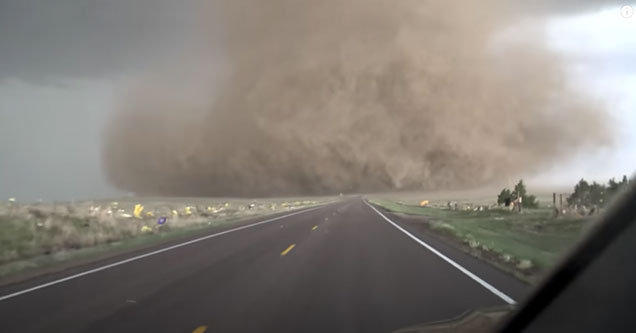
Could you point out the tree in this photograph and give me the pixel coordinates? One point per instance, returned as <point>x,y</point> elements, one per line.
<point>520,189</point>
<point>597,194</point>
<point>594,194</point>
<point>612,187</point>
<point>528,201</point>
<point>581,193</point>
<point>504,197</point>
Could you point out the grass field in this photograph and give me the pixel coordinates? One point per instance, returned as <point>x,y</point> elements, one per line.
<point>533,240</point>
<point>35,235</point>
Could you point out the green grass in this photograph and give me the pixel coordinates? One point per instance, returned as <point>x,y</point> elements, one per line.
<point>532,235</point>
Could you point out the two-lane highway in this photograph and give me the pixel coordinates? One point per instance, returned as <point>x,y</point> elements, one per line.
<point>344,267</point>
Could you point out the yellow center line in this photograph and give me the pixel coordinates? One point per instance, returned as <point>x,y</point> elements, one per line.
<point>314,228</point>
<point>200,329</point>
<point>287,250</point>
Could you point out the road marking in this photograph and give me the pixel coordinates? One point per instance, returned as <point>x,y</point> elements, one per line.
<point>476,278</point>
<point>200,329</point>
<point>98,269</point>
<point>288,249</point>
<point>314,228</point>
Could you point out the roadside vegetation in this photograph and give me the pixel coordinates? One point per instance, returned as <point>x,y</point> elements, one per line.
<point>525,242</point>
<point>529,242</point>
<point>33,234</point>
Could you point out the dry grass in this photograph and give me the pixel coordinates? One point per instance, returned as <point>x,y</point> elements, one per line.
<point>32,230</point>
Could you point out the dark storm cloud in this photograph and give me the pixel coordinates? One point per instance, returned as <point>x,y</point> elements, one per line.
<point>53,39</point>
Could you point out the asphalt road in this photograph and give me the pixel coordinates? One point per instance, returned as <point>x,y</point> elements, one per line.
<point>338,268</point>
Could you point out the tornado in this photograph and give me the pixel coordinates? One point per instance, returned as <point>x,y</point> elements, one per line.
<point>351,96</point>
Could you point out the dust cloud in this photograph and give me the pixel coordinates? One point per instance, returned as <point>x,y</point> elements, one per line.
<point>321,97</point>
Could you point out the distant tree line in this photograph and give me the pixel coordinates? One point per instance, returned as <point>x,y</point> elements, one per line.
<point>584,195</point>
<point>595,194</point>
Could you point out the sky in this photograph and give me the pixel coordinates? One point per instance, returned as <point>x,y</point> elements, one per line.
<point>603,48</point>
<point>64,67</point>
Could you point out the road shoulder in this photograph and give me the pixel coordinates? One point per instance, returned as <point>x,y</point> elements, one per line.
<point>511,284</point>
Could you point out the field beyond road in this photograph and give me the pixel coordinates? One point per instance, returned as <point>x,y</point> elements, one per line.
<point>526,244</point>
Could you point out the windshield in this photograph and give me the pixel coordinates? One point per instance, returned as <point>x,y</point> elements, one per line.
<point>289,165</point>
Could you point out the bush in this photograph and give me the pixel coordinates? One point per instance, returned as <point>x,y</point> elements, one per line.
<point>530,201</point>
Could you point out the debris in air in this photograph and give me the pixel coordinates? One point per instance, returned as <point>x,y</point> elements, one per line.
<point>137,211</point>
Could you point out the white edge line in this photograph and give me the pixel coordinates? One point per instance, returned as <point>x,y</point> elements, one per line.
<point>476,278</point>
<point>98,269</point>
